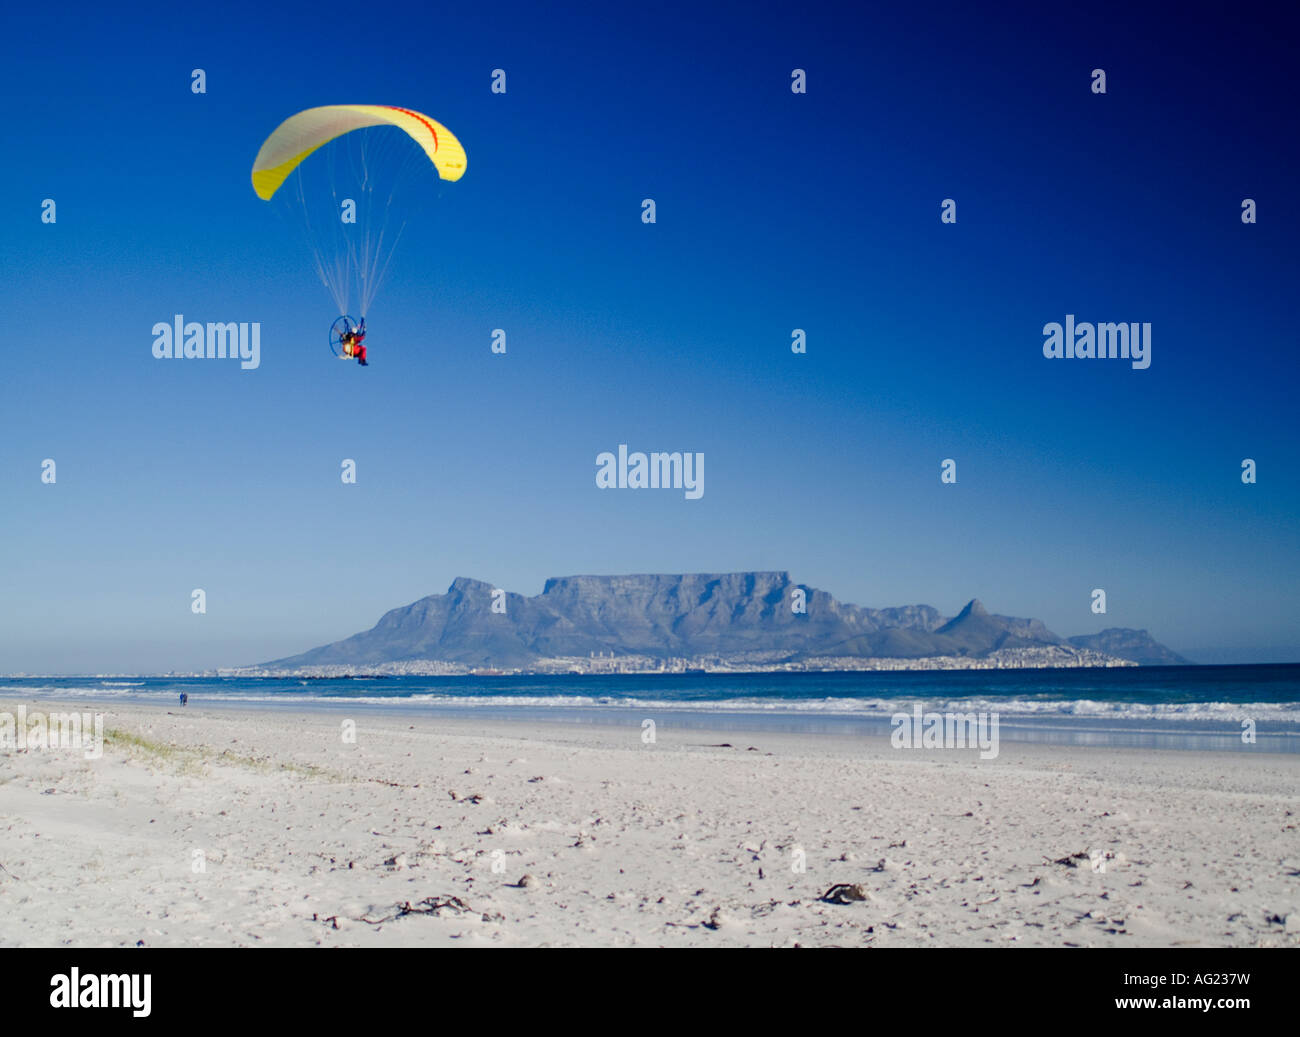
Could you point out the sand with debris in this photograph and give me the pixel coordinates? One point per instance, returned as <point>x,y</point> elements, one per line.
<point>221,827</point>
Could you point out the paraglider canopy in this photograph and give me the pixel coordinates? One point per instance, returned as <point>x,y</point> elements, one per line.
<point>349,176</point>
<point>299,135</point>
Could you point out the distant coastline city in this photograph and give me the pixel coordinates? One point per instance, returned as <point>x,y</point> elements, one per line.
<point>1052,657</point>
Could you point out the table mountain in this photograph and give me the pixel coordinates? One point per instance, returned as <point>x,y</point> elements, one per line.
<point>693,616</point>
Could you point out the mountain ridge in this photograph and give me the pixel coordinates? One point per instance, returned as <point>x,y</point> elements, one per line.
<point>755,618</point>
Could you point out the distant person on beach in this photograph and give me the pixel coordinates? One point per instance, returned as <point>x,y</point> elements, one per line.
<point>184,698</point>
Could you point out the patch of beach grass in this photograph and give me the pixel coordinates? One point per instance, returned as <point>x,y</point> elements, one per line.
<point>195,761</point>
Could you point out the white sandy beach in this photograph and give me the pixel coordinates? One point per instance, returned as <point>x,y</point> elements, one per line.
<point>306,840</point>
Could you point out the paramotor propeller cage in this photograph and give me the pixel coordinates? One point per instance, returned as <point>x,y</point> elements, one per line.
<point>338,329</point>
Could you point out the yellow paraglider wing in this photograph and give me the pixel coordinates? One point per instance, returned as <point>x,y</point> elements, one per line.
<point>299,135</point>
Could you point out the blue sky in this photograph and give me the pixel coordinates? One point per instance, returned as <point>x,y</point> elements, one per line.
<point>775,211</point>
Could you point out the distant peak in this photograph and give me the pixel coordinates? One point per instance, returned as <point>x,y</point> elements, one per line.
<point>974,607</point>
<point>466,583</point>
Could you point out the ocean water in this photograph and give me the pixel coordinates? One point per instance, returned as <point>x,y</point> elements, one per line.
<point>1176,707</point>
